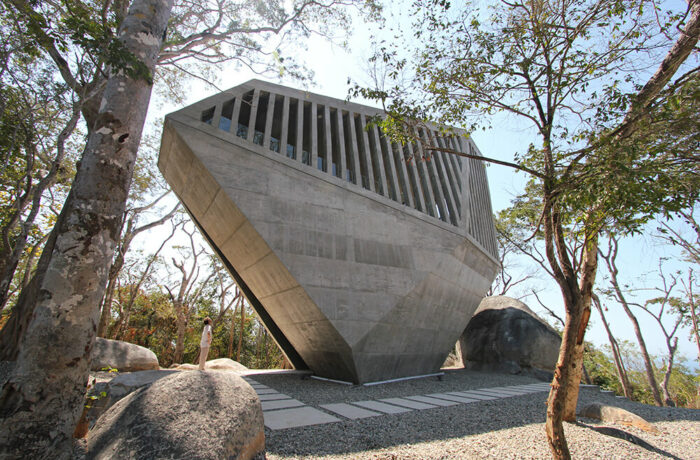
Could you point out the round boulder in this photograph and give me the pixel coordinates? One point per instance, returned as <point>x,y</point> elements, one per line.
<point>123,356</point>
<point>197,415</point>
<point>219,364</point>
<point>504,335</point>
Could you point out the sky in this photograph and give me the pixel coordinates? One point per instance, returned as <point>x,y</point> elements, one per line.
<point>639,256</point>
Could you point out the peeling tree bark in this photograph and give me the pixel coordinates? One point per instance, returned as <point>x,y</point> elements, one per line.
<point>42,401</point>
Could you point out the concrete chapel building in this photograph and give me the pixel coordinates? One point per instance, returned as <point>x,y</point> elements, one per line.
<point>363,265</point>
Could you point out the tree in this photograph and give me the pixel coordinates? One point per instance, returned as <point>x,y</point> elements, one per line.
<point>129,291</point>
<point>599,162</point>
<point>667,304</point>
<point>127,234</point>
<point>70,282</point>
<point>34,127</point>
<point>188,291</point>
<point>615,349</point>
<point>610,258</point>
<point>507,247</point>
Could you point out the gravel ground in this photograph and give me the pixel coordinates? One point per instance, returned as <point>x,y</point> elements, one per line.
<point>511,428</point>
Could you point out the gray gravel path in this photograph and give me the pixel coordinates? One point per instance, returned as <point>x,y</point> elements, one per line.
<point>510,428</point>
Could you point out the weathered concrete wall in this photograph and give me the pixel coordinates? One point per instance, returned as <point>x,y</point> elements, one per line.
<point>350,282</point>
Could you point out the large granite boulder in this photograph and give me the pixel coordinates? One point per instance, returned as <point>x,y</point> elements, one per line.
<point>184,415</point>
<point>123,356</point>
<point>104,392</point>
<point>504,335</point>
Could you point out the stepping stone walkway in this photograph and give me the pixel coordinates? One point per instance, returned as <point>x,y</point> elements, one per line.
<point>281,411</point>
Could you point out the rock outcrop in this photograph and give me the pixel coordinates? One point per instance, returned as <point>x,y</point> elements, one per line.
<point>123,356</point>
<point>504,335</point>
<point>184,415</point>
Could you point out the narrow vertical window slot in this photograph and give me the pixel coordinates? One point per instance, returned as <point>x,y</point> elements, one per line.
<point>276,133</point>
<point>336,169</point>
<point>322,160</point>
<point>261,117</point>
<point>244,115</point>
<point>350,154</point>
<point>208,115</point>
<point>306,149</point>
<point>291,151</point>
<point>226,115</point>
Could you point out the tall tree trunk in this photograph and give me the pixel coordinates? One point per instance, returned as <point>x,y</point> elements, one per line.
<point>180,340</point>
<point>563,397</point>
<point>106,310</point>
<point>617,358</point>
<point>620,296</point>
<point>42,400</point>
<point>240,335</point>
<point>667,375</point>
<point>648,366</point>
<point>230,335</point>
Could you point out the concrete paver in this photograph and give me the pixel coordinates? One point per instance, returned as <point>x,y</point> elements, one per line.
<point>349,411</point>
<point>473,395</point>
<point>273,397</point>
<point>300,416</point>
<point>381,407</point>
<point>408,403</point>
<point>434,401</point>
<point>499,394</point>
<point>280,404</point>
<point>265,391</point>
<point>451,397</point>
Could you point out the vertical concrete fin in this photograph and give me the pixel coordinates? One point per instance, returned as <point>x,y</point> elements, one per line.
<point>389,167</point>
<point>253,115</point>
<point>357,166</point>
<point>416,186</point>
<point>314,135</point>
<point>363,142</point>
<point>342,155</point>
<point>402,174</point>
<point>377,154</point>
<point>267,133</point>
<point>285,125</point>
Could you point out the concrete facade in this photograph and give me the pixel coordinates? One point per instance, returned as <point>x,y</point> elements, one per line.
<point>363,266</point>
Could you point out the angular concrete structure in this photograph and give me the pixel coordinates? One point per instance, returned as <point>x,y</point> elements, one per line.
<point>362,265</point>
